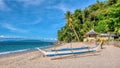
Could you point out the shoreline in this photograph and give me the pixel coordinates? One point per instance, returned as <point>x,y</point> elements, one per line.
<point>17,53</point>
<point>23,50</point>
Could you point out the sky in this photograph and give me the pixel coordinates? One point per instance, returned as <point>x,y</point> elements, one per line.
<point>36,18</point>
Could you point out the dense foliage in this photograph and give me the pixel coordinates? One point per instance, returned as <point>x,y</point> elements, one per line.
<point>103,17</point>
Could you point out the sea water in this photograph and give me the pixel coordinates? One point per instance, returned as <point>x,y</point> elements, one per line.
<point>10,47</point>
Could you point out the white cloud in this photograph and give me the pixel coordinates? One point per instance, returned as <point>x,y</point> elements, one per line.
<point>58,25</point>
<point>12,28</point>
<point>2,36</point>
<point>36,21</point>
<point>30,2</point>
<point>25,3</point>
<point>48,39</point>
<point>11,36</point>
<point>3,6</point>
<point>63,7</point>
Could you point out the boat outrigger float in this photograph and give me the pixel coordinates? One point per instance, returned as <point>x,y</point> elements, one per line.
<point>74,51</point>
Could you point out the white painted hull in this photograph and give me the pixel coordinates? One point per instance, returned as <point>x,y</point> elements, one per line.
<point>58,53</point>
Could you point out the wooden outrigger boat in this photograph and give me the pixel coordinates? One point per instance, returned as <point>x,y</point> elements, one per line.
<point>70,51</point>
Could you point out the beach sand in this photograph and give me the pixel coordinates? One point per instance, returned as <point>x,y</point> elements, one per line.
<point>109,57</point>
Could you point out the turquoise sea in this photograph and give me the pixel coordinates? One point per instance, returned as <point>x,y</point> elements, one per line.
<point>10,47</point>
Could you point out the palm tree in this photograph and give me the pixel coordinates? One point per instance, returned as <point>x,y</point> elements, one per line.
<point>69,19</point>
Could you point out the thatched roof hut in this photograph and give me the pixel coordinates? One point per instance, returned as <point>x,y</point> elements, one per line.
<point>92,32</point>
<point>91,35</point>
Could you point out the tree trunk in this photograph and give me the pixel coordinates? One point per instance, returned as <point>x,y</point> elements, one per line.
<point>76,34</point>
<point>69,21</point>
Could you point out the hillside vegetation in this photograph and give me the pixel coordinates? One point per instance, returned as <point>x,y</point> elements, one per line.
<point>103,17</point>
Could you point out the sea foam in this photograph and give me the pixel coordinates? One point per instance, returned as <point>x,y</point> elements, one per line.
<point>12,52</point>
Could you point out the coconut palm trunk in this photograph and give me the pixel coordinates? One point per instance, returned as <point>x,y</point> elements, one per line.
<point>69,21</point>
<point>75,33</point>
<point>72,27</point>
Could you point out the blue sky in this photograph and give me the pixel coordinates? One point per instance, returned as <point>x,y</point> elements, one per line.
<point>36,18</point>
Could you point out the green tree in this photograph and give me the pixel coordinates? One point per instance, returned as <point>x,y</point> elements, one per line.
<point>69,19</point>
<point>103,17</point>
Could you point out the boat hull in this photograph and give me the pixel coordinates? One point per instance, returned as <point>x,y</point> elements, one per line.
<point>60,53</point>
